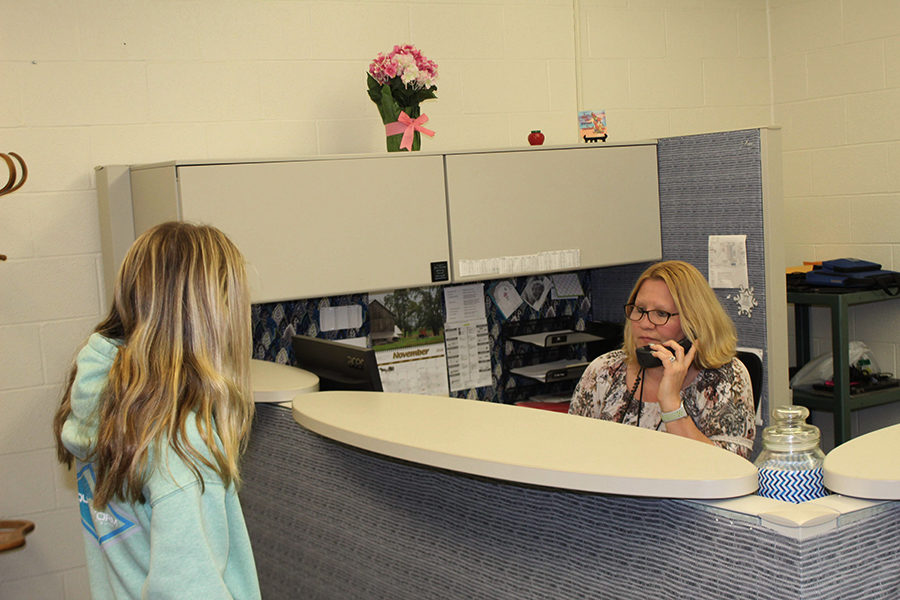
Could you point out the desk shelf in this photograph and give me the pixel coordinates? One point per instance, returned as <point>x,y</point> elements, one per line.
<point>547,356</point>
<point>841,402</point>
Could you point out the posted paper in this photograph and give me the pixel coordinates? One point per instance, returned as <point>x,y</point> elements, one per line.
<point>728,261</point>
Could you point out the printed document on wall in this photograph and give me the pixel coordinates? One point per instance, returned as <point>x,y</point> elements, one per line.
<point>728,261</point>
<point>466,337</point>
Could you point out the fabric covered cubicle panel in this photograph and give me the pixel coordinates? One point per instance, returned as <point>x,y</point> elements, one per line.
<point>709,184</point>
<point>330,521</point>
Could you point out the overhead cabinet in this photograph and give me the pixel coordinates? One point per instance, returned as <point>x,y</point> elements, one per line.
<point>311,228</point>
<point>328,226</point>
<point>559,209</point>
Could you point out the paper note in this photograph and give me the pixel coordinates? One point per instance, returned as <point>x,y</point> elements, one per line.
<point>506,298</point>
<point>332,318</point>
<point>466,337</point>
<point>728,261</point>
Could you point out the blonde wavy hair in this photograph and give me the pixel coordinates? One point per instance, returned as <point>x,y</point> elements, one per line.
<point>182,312</point>
<point>703,320</point>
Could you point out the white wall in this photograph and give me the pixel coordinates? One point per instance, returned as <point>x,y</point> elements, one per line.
<point>91,82</point>
<point>836,87</point>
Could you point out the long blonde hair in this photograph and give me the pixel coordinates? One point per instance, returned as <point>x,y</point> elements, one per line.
<point>182,312</point>
<point>703,320</point>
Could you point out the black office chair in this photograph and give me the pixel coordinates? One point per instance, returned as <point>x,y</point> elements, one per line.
<point>755,368</point>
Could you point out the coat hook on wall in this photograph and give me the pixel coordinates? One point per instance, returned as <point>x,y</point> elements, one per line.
<point>16,179</point>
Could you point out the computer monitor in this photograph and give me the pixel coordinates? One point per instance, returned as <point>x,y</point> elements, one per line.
<point>338,366</point>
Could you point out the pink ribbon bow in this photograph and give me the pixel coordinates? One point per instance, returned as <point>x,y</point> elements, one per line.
<point>407,125</point>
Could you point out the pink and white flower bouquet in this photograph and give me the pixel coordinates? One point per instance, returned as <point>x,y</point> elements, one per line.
<point>398,82</point>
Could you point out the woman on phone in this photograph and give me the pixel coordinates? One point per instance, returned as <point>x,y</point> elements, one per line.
<point>154,417</point>
<point>697,389</point>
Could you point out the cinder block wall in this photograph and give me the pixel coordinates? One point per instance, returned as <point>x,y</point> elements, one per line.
<point>95,82</point>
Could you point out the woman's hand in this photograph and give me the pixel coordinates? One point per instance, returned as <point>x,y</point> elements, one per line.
<point>676,363</point>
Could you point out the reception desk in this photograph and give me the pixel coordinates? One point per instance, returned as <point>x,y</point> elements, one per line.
<point>394,496</point>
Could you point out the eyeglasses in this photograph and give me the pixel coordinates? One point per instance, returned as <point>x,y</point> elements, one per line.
<point>657,317</point>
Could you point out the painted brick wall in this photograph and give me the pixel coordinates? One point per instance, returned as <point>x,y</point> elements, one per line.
<point>92,82</point>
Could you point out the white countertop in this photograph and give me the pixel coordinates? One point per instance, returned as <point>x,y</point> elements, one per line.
<point>525,445</point>
<point>867,466</point>
<point>272,382</point>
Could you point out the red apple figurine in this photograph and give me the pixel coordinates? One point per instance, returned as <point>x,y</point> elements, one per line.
<point>536,138</point>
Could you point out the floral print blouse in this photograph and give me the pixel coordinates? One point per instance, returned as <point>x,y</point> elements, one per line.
<point>719,401</point>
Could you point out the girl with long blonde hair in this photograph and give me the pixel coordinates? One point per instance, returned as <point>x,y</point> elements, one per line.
<point>155,416</point>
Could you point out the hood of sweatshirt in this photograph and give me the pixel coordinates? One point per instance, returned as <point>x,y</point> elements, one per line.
<point>79,432</point>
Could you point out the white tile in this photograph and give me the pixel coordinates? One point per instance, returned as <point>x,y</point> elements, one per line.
<point>616,33</point>
<point>27,418</point>
<point>43,31</point>
<point>604,83</point>
<point>77,584</point>
<point>262,139</point>
<point>873,117</point>
<point>65,223</point>
<point>851,170</point>
<point>339,92</point>
<point>521,85</point>
<point>798,26</point>
<point>892,62</point>
<point>544,32</point>
<point>628,124</point>
<point>809,220</point>
<point>562,86</point>
<point>797,179</point>
<point>893,159</point>
<point>875,219</point>
<point>471,131</point>
<point>65,485</point>
<point>709,32</point>
<point>666,83</point>
<point>350,136</point>
<point>789,78</point>
<point>147,143</point>
<point>846,69</point>
<point>57,157</point>
<point>812,124</point>
<point>30,588</point>
<point>33,475</point>
<point>20,357</point>
<point>123,98</point>
<point>736,82</point>
<point>239,30</point>
<point>60,342</point>
<point>11,108</point>
<point>753,31</point>
<point>453,31</point>
<point>871,19</point>
<point>15,224</point>
<point>363,30</point>
<point>56,544</point>
<point>688,121</point>
<point>142,30</point>
<point>203,91</point>
<point>49,288</point>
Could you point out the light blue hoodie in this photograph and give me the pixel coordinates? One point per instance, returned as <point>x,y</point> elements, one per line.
<point>181,542</point>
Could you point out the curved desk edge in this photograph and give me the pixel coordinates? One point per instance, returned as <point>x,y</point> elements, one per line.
<point>866,466</point>
<point>526,446</point>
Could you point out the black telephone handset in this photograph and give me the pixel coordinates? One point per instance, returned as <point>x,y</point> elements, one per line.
<point>648,361</point>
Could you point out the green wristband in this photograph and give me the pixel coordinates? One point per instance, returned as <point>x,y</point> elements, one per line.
<point>674,415</point>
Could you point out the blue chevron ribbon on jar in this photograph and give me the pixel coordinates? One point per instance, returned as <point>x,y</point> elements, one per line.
<point>791,486</point>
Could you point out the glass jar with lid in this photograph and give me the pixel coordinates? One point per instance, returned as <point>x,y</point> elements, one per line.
<point>790,465</point>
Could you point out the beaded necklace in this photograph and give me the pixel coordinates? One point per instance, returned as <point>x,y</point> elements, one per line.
<point>637,382</point>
